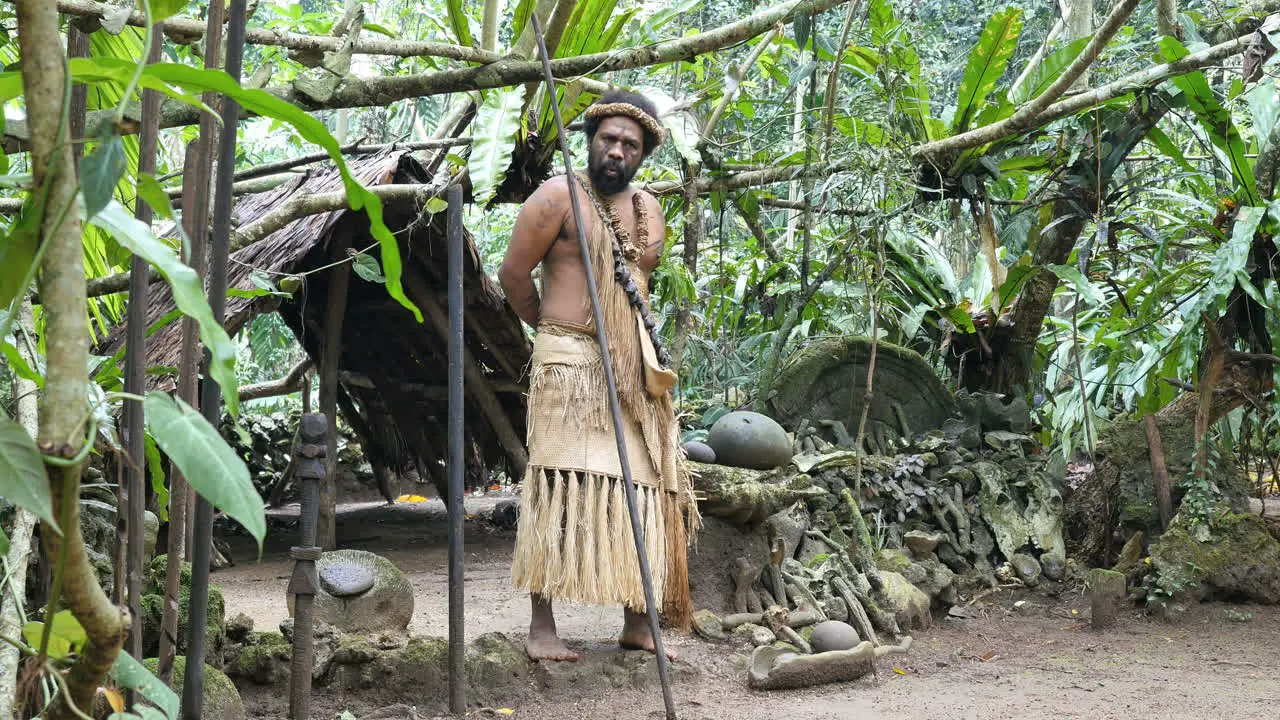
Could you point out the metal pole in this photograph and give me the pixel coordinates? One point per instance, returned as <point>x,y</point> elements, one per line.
<point>457,640</point>
<point>211,395</point>
<point>637,531</point>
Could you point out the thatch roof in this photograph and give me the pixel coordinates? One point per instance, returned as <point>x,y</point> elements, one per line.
<point>392,369</point>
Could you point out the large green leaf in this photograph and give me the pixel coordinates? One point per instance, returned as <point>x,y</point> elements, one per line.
<point>520,18</point>
<point>188,293</point>
<point>100,172</point>
<point>1230,261</point>
<point>460,23</point>
<point>65,635</point>
<point>1264,105</point>
<point>1048,71</point>
<point>22,478</point>
<point>131,674</point>
<point>585,32</point>
<point>882,21</point>
<point>987,63</point>
<point>493,140</point>
<point>1083,287</point>
<point>1215,119</point>
<point>208,463</point>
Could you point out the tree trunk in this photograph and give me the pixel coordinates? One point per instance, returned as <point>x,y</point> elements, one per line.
<point>62,416</point>
<point>693,232</point>
<point>1010,371</point>
<point>25,401</point>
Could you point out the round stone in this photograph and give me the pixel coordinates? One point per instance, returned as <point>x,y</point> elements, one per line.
<point>834,635</point>
<point>749,440</point>
<point>1053,565</point>
<point>343,579</point>
<point>700,452</point>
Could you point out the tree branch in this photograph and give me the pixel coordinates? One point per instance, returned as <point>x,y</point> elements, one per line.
<point>186,30</point>
<point>295,207</point>
<point>287,385</point>
<point>1030,114</point>
<point>62,412</point>
<point>380,91</point>
<point>738,73</point>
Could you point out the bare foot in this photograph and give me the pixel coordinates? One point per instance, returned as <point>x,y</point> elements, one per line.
<point>642,640</point>
<point>548,646</point>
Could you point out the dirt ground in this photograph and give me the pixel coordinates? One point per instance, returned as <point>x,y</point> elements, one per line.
<point>1038,660</point>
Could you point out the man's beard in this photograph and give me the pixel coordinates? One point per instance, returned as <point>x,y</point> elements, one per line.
<point>609,183</point>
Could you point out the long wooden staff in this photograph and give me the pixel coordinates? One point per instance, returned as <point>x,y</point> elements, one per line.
<point>636,530</point>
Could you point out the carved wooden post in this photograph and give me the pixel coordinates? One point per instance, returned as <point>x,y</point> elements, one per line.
<point>309,456</point>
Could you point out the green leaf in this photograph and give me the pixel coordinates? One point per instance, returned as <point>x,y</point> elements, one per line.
<point>130,674</point>
<point>311,130</point>
<point>802,25</point>
<point>156,470</point>
<point>1264,104</point>
<point>380,29</point>
<point>460,23</point>
<point>1048,71</point>
<point>1215,119</point>
<point>22,477</point>
<point>161,9</point>
<point>493,141</point>
<point>149,190</point>
<point>17,252</point>
<point>99,173</point>
<point>883,23</point>
<point>188,293</point>
<point>987,63</point>
<point>366,266</point>
<point>436,205</point>
<point>208,463</point>
<point>520,18</point>
<point>65,636</point>
<point>1082,285</point>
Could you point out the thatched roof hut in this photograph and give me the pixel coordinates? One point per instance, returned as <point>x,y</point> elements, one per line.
<point>392,369</point>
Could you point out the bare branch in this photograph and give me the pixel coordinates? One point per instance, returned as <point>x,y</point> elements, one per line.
<point>381,91</point>
<point>187,30</point>
<point>295,207</point>
<point>292,382</point>
<point>1150,77</point>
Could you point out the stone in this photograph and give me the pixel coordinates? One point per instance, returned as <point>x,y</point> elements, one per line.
<point>506,514</point>
<point>344,579</point>
<point>150,531</point>
<point>1131,553</point>
<point>700,452</point>
<point>707,624</point>
<point>908,603</point>
<point>753,635</point>
<point>921,544</point>
<point>1239,561</point>
<point>774,668</point>
<point>215,633</point>
<point>1053,566</point>
<point>1106,590</point>
<point>892,560</point>
<point>833,635</point>
<point>387,604</point>
<point>939,581</point>
<point>1026,569</point>
<point>498,669</point>
<point>264,659</point>
<point>325,641</point>
<point>749,440</point>
<point>239,627</point>
<point>220,700</point>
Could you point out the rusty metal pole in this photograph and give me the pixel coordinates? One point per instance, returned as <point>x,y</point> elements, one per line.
<point>637,530</point>
<point>457,639</point>
<point>309,459</point>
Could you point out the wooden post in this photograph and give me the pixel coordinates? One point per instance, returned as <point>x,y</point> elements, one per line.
<point>1159,472</point>
<point>339,282</point>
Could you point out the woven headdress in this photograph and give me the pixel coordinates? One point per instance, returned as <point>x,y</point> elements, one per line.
<point>625,109</point>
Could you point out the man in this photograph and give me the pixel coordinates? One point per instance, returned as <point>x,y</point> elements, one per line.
<point>574,539</point>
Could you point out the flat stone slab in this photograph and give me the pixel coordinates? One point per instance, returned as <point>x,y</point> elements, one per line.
<point>345,579</point>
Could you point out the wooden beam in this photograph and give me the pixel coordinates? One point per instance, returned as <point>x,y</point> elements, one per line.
<point>339,282</point>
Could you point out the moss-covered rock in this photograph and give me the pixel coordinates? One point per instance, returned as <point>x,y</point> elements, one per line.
<point>498,669</point>
<point>264,659</point>
<point>221,699</point>
<point>1240,561</point>
<point>892,560</point>
<point>908,603</point>
<point>215,634</point>
<point>386,605</point>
